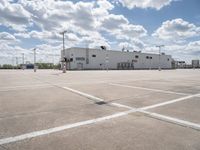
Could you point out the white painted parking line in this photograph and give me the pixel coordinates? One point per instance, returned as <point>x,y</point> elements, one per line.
<point>121,105</point>
<point>171,101</point>
<point>158,116</point>
<point>149,89</point>
<point>94,98</point>
<point>61,128</point>
<point>96,120</point>
<point>116,115</point>
<point>84,94</point>
<point>172,120</point>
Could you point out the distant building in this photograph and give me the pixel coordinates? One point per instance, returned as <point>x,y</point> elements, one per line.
<point>85,58</point>
<point>195,63</point>
<point>181,64</point>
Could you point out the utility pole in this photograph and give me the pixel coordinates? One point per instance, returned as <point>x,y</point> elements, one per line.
<point>23,58</point>
<point>107,60</point>
<point>16,61</point>
<point>23,61</point>
<point>13,62</point>
<point>159,46</point>
<point>34,50</point>
<point>64,59</point>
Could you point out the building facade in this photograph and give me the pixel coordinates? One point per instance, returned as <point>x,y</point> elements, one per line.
<point>85,58</point>
<point>195,63</point>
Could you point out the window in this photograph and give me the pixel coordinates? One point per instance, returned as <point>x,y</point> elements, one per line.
<point>71,59</point>
<point>136,56</point>
<point>150,57</point>
<point>168,59</point>
<point>147,57</point>
<point>93,55</point>
<point>80,58</point>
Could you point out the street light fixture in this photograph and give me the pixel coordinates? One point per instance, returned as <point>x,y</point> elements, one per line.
<point>159,46</point>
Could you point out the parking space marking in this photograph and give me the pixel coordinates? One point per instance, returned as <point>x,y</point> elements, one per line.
<point>149,89</point>
<point>116,115</point>
<point>121,105</point>
<point>172,120</point>
<point>154,115</point>
<point>96,120</point>
<point>61,128</point>
<point>171,101</point>
<point>96,99</point>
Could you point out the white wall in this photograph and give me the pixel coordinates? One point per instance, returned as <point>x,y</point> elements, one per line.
<point>114,58</point>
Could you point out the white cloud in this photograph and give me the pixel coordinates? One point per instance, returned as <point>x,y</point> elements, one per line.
<point>81,19</point>
<point>5,36</point>
<point>113,22</point>
<point>120,27</point>
<point>89,24</point>
<point>130,31</point>
<point>55,15</point>
<point>104,4</point>
<point>177,29</point>
<point>133,45</point>
<point>155,4</point>
<point>44,52</point>
<point>13,15</point>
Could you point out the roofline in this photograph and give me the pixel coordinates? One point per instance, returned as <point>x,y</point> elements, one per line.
<point>115,51</point>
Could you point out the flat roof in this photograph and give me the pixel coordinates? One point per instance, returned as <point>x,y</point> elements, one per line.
<point>139,52</point>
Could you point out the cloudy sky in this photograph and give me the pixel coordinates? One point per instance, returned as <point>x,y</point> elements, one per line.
<point>133,24</point>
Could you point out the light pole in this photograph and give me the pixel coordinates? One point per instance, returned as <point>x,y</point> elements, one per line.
<point>159,46</point>
<point>16,61</point>
<point>107,60</point>
<point>23,61</point>
<point>23,58</point>
<point>64,61</point>
<point>34,50</point>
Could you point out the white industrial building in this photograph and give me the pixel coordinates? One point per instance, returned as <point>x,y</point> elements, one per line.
<point>85,58</point>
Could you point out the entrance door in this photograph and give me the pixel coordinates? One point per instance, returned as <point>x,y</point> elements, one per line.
<point>79,66</point>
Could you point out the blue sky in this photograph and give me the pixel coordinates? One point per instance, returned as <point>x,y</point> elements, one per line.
<point>133,24</point>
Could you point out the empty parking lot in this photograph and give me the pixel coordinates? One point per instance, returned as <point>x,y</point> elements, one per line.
<point>139,109</point>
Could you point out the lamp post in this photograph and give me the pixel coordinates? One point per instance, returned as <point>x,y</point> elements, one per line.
<point>34,51</point>
<point>23,61</point>
<point>23,58</point>
<point>64,62</point>
<point>159,46</point>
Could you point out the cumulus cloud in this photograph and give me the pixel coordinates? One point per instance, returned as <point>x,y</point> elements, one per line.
<point>177,29</point>
<point>13,15</point>
<point>113,22</point>
<point>89,23</point>
<point>45,53</point>
<point>55,15</point>
<point>133,45</point>
<point>130,31</point>
<point>120,27</point>
<point>155,4</point>
<point>5,36</point>
<point>104,4</point>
